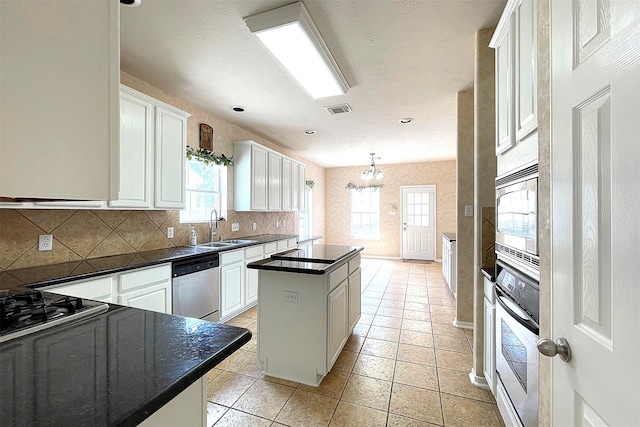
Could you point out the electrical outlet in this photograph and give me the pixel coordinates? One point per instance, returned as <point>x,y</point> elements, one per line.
<point>277,224</point>
<point>254,226</point>
<point>290,296</point>
<point>235,226</point>
<point>468,210</point>
<point>45,242</point>
<point>170,232</point>
<point>284,223</point>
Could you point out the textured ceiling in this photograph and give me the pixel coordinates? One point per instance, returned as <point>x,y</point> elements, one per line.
<point>402,58</point>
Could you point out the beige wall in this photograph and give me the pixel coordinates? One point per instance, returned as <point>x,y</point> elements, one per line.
<point>80,234</point>
<point>465,224</point>
<point>442,174</point>
<point>485,173</point>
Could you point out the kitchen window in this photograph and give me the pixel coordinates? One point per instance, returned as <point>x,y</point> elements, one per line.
<point>304,217</point>
<point>365,213</point>
<point>206,189</point>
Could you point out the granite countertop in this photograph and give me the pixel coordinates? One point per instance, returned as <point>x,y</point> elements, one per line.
<point>114,369</point>
<point>54,274</point>
<point>314,259</point>
<point>450,236</point>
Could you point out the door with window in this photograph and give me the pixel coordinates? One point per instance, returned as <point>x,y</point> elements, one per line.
<point>418,222</point>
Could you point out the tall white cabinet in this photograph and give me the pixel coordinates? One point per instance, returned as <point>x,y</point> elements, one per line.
<point>265,180</point>
<point>59,88</point>
<point>153,139</point>
<point>515,42</point>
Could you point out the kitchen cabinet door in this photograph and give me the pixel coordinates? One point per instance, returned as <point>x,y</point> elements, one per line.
<point>259,177</point>
<point>251,285</point>
<point>338,317</point>
<point>505,137</point>
<point>59,99</point>
<point>231,289</point>
<point>136,151</point>
<point>295,186</point>
<point>275,182</point>
<point>526,104</point>
<point>170,158</point>
<point>355,296</point>
<point>286,184</point>
<point>154,298</point>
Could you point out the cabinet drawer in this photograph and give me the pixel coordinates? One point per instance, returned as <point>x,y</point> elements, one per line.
<point>354,264</point>
<point>292,243</point>
<point>231,257</point>
<point>270,248</point>
<point>282,245</point>
<point>336,277</point>
<point>144,277</point>
<point>253,251</point>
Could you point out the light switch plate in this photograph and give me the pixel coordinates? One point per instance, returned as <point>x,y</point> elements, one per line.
<point>468,210</point>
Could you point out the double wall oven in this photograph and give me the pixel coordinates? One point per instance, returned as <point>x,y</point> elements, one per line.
<point>517,293</point>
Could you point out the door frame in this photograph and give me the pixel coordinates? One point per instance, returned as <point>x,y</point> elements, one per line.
<point>432,213</point>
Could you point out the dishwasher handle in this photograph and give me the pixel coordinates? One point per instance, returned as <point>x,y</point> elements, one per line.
<point>190,266</point>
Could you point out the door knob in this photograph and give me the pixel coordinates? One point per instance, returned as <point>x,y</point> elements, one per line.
<point>559,347</point>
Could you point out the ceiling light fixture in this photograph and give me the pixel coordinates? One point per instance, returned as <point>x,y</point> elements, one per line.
<point>372,172</point>
<point>291,36</point>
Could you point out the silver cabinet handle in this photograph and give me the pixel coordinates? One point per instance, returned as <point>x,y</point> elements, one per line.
<point>550,348</point>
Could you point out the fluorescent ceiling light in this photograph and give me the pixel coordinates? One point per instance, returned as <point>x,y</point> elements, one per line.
<point>289,33</point>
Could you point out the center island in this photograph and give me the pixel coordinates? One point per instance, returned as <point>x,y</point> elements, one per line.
<point>308,305</point>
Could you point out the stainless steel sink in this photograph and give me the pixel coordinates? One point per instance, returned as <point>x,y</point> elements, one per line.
<point>238,241</point>
<point>227,243</point>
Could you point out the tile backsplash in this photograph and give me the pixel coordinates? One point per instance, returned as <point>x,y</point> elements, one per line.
<point>81,234</point>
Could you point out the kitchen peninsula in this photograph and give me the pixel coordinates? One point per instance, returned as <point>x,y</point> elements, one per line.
<point>308,305</point>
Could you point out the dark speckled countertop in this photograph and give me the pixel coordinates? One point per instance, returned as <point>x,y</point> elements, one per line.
<point>114,369</point>
<point>314,259</point>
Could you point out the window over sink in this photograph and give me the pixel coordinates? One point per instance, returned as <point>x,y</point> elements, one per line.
<point>206,189</point>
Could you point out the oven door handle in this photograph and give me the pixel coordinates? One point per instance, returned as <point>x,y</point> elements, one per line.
<point>516,312</point>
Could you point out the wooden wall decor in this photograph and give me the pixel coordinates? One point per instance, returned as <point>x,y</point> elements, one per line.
<point>206,137</point>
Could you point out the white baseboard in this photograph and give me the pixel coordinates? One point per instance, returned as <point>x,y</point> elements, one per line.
<point>381,257</point>
<point>480,382</point>
<point>462,325</point>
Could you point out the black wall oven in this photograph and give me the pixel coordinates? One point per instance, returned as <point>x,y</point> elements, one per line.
<point>517,308</point>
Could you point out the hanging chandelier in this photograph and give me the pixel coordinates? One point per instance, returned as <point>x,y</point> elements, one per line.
<point>372,171</point>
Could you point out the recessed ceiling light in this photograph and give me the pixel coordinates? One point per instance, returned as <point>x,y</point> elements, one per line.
<point>310,132</point>
<point>406,120</point>
<point>237,108</point>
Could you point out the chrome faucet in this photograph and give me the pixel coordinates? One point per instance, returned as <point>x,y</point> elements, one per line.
<point>214,214</point>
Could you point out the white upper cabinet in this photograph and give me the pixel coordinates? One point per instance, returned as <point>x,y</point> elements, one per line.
<point>265,180</point>
<point>274,181</point>
<point>302,205</point>
<point>515,74</point>
<point>286,184</point>
<point>59,99</point>
<point>152,153</point>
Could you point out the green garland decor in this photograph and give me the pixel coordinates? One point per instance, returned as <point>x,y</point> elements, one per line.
<point>207,157</point>
<point>374,187</point>
<point>309,183</point>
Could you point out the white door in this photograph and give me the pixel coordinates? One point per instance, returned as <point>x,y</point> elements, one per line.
<point>418,222</point>
<point>595,204</point>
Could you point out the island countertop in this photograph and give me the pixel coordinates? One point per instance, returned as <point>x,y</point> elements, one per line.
<point>114,369</point>
<point>314,259</point>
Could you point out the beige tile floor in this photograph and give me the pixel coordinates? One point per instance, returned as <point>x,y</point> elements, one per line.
<point>404,365</point>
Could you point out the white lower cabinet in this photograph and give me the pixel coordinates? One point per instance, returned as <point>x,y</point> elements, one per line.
<point>449,263</point>
<point>490,335</point>
<point>251,254</point>
<point>188,409</point>
<point>338,315</point>
<point>355,294</point>
<point>232,278</point>
<point>148,288</point>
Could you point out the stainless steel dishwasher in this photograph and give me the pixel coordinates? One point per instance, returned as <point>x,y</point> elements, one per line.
<point>196,287</point>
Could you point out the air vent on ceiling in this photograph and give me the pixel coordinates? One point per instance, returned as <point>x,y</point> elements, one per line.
<point>339,109</point>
